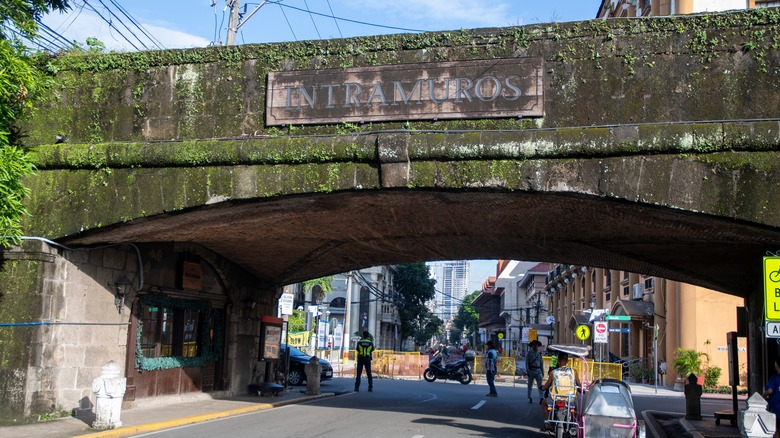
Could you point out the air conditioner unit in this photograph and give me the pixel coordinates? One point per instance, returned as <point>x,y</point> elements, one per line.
<point>639,291</point>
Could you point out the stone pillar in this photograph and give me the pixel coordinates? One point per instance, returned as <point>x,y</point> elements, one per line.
<point>756,421</point>
<point>672,338</point>
<point>109,390</point>
<point>313,376</point>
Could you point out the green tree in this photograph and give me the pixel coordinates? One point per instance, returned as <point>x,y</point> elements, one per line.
<point>468,317</point>
<point>415,288</point>
<point>319,287</point>
<point>297,321</point>
<point>20,85</point>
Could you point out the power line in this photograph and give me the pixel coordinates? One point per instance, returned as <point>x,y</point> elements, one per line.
<point>110,24</point>
<point>312,19</point>
<point>287,20</point>
<point>334,19</point>
<point>123,24</point>
<point>279,2</point>
<point>143,30</point>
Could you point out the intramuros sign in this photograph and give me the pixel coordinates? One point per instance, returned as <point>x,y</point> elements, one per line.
<point>443,90</point>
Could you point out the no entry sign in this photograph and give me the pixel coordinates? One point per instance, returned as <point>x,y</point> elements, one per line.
<point>600,332</point>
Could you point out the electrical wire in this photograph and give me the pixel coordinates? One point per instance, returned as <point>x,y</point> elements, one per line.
<point>279,2</point>
<point>334,19</point>
<point>123,24</point>
<point>312,19</point>
<point>143,30</point>
<point>110,24</point>
<point>287,20</point>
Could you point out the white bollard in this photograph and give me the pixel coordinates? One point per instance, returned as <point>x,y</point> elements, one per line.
<point>756,421</point>
<point>109,391</point>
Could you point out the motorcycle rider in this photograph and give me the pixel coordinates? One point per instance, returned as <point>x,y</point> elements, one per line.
<point>562,380</point>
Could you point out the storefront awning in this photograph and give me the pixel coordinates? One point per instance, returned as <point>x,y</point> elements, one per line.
<point>637,310</point>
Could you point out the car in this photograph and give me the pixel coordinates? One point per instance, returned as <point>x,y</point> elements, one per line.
<point>298,362</point>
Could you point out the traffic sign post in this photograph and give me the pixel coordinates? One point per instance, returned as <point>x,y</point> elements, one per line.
<point>618,318</point>
<point>772,329</point>
<point>600,333</point>
<point>583,332</point>
<point>772,288</point>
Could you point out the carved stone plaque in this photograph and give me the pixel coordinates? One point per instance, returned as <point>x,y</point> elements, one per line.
<point>486,88</point>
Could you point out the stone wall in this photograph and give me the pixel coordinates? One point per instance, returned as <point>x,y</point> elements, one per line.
<point>600,72</point>
<point>70,326</point>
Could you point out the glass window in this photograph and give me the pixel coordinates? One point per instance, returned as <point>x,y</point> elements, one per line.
<point>168,331</point>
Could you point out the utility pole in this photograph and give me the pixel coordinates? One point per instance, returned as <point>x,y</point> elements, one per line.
<point>232,29</point>
<point>345,339</point>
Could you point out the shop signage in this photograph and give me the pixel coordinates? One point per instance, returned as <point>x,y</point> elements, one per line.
<point>436,90</point>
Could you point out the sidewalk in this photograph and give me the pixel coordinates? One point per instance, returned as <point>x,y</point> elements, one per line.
<point>162,413</point>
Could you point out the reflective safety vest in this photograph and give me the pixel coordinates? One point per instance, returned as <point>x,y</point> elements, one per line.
<point>364,348</point>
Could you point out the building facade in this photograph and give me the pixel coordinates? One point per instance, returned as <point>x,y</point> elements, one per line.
<point>656,8</point>
<point>664,315</point>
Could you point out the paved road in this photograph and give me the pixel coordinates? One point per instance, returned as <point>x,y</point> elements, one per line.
<point>413,409</point>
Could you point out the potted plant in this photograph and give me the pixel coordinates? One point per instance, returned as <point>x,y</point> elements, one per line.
<point>635,372</point>
<point>686,362</point>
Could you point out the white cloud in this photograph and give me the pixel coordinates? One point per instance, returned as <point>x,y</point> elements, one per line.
<point>436,14</point>
<point>78,27</point>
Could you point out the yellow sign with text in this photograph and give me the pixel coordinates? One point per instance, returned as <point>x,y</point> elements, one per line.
<point>772,287</point>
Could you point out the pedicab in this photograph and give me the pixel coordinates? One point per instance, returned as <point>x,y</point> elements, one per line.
<point>563,413</point>
<point>608,410</point>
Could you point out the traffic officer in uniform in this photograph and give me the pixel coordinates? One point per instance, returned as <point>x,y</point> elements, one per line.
<point>365,348</point>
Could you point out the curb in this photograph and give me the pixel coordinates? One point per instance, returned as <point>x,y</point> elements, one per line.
<point>690,429</point>
<point>160,425</point>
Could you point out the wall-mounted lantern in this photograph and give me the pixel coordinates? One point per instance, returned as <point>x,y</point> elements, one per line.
<point>121,287</point>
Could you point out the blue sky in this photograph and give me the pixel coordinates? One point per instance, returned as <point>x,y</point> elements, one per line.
<point>195,23</point>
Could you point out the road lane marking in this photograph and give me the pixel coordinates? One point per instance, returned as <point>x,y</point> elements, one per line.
<point>479,405</point>
<point>432,397</point>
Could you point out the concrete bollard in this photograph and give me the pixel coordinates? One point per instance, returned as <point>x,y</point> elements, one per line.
<point>313,376</point>
<point>109,391</point>
<point>756,421</point>
<point>693,393</point>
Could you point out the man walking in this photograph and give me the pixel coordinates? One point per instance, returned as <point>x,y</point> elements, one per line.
<point>365,348</point>
<point>490,368</point>
<point>534,369</point>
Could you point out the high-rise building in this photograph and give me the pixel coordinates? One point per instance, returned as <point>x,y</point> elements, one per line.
<point>453,285</point>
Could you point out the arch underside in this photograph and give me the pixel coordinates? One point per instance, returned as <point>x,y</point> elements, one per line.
<point>288,239</point>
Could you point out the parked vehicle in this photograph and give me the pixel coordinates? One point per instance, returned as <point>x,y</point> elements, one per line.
<point>458,370</point>
<point>298,361</point>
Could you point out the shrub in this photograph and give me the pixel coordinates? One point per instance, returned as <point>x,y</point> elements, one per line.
<point>712,376</point>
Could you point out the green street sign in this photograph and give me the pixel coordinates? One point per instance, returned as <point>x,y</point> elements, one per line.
<point>618,318</point>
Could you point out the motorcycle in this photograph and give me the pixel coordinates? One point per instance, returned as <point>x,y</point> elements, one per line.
<point>562,418</point>
<point>458,370</point>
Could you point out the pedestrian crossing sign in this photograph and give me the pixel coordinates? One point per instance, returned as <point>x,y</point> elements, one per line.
<point>583,332</point>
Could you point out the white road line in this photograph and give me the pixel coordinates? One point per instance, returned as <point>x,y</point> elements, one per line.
<point>418,436</point>
<point>479,405</point>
